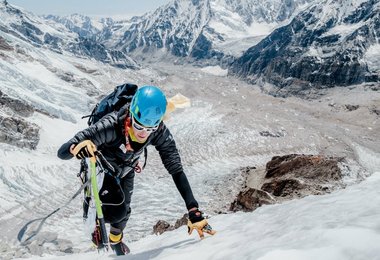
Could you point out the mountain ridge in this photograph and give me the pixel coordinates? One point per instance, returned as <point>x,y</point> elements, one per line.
<point>317,49</point>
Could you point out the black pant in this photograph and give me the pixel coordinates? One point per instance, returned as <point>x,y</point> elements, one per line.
<point>113,192</point>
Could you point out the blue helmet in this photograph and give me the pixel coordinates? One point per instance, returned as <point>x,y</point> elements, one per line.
<point>148,106</point>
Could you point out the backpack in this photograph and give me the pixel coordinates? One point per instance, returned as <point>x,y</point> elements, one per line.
<point>119,97</point>
<point>114,101</point>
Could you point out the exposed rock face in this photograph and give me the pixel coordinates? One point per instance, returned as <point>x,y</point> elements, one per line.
<point>314,51</point>
<point>181,222</point>
<point>18,132</point>
<point>163,226</point>
<point>250,199</point>
<point>304,166</point>
<point>19,107</point>
<point>295,175</point>
<point>291,176</point>
<point>14,129</point>
<point>4,45</point>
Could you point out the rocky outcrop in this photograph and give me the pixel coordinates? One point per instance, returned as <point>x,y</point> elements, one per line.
<point>15,130</point>
<point>291,176</point>
<point>17,106</point>
<point>250,199</point>
<point>315,167</point>
<point>4,45</point>
<point>163,226</point>
<point>18,132</point>
<point>284,178</point>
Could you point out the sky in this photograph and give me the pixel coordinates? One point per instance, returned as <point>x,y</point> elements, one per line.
<point>90,7</point>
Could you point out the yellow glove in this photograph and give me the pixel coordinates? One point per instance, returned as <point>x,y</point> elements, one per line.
<point>84,149</point>
<point>198,222</point>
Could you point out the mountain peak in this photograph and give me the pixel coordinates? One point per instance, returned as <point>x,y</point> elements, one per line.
<point>326,45</point>
<point>202,29</point>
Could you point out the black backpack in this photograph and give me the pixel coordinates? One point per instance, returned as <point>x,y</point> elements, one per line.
<point>119,97</point>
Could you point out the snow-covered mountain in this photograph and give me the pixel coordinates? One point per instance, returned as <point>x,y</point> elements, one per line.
<point>204,28</point>
<point>83,25</point>
<point>56,37</point>
<point>330,43</point>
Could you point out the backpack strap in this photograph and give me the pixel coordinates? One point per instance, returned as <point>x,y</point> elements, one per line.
<point>145,157</point>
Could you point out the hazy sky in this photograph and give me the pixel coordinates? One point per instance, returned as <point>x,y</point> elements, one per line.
<point>89,7</point>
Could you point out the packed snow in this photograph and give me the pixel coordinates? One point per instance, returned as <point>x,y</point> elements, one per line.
<point>372,56</point>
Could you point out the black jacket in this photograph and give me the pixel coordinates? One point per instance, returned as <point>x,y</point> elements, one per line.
<point>109,137</point>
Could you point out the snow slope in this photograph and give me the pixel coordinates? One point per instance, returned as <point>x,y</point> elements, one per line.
<point>304,229</point>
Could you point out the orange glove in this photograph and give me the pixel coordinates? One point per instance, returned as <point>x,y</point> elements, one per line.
<point>198,222</point>
<point>84,149</point>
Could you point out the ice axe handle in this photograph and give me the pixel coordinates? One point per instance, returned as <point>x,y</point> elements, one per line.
<point>103,232</point>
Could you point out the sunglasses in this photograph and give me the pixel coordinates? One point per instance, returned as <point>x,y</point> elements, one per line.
<point>140,127</point>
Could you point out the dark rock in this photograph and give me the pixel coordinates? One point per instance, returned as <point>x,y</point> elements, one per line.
<point>181,222</point>
<point>250,199</point>
<point>283,188</point>
<point>351,107</point>
<point>161,227</point>
<point>53,41</point>
<point>19,107</point>
<point>270,134</point>
<point>296,175</point>
<point>305,166</point>
<point>18,132</point>
<point>288,177</point>
<point>375,111</point>
<point>4,45</point>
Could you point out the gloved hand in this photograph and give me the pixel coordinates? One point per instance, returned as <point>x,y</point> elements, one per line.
<point>84,149</point>
<point>198,222</point>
